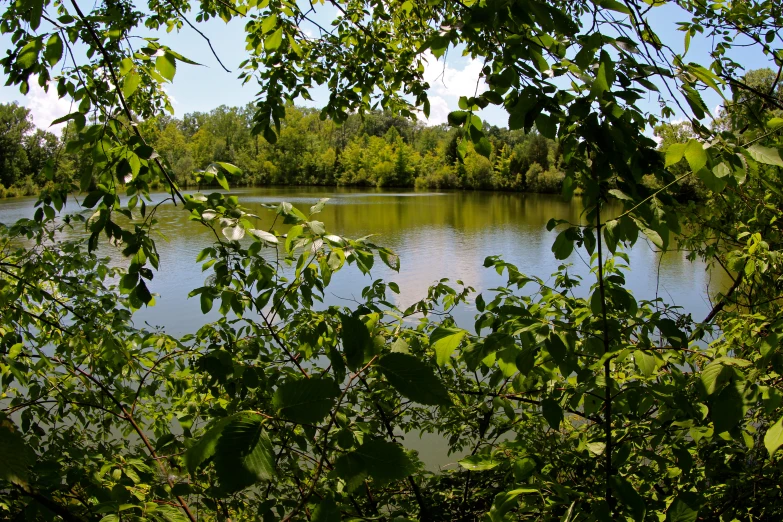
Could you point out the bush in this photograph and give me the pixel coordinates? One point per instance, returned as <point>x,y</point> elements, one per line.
<point>443,177</point>
<point>544,181</point>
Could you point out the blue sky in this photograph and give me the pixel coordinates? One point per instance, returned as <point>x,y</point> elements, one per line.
<point>204,88</point>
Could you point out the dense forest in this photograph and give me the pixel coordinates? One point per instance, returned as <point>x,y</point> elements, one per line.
<point>377,150</point>
<point>568,398</point>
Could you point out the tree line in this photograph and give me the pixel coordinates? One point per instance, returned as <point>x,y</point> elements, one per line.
<point>378,150</point>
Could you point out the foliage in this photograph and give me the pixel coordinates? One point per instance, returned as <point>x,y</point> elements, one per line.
<point>570,401</point>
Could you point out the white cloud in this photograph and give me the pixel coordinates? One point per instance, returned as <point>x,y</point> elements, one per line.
<point>439,110</point>
<point>446,80</point>
<point>46,107</point>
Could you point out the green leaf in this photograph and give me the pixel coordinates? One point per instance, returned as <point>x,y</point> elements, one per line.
<point>547,126</point>
<point>629,497</point>
<point>552,412</point>
<point>674,153</point>
<point>222,181</point>
<point>293,233</point>
<point>766,155</point>
<point>263,235</point>
<point>206,302</point>
<point>413,379</point>
<point>612,5</point>
<point>54,50</point>
<point>695,155</point>
<point>604,77</point>
<point>244,453</point>
<point>318,207</point>
<point>355,338</point>
<point>645,362</point>
<point>483,147</point>
<point>444,341</point>
<point>327,510</point>
<point>166,65</point>
<point>684,508</point>
<point>774,437</point>
<point>728,409</point>
<point>714,376</point>
<point>15,455</point>
<point>205,447</point>
<point>306,401</point>
<point>523,468</point>
<point>526,360</point>
<point>269,23</point>
<point>230,168</point>
<point>479,462</point>
<point>130,84</point>
<point>385,461</point>
<point>563,245</point>
<point>352,469</point>
<point>317,227</point>
<point>457,118</point>
<point>273,41</point>
<point>28,55</point>
<point>505,502</point>
<point>671,331</point>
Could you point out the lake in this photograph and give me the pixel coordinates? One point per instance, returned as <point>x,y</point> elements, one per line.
<point>436,234</point>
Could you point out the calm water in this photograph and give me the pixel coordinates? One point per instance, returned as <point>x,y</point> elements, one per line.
<point>436,234</point>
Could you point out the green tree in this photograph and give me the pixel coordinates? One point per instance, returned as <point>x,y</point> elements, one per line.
<point>572,402</point>
<point>15,126</point>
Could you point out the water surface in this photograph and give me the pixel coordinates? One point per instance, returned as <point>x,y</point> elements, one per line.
<point>436,234</point>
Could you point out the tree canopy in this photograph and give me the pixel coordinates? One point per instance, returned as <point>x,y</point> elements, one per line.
<point>602,407</point>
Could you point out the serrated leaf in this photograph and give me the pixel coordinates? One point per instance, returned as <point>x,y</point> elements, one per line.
<point>28,55</point>
<point>413,379</point>
<point>306,401</point>
<point>269,23</point>
<point>130,84</point>
<point>205,447</point>
<point>273,41</point>
<point>244,453</point>
<point>385,461</point>
<point>444,341</point>
<point>54,50</point>
<point>766,155</point>
<point>714,376</point>
<point>166,65</point>
<point>351,468</point>
<point>674,153</point>
<point>695,155</point>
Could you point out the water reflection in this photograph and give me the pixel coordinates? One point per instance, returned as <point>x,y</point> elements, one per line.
<point>436,234</point>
